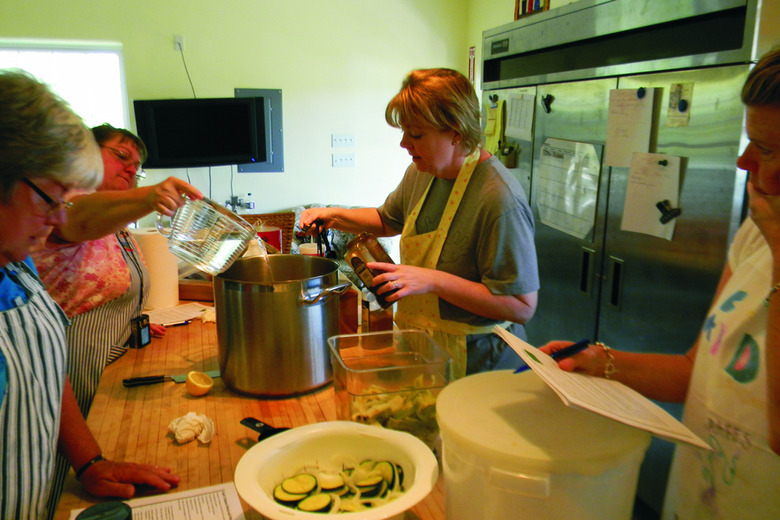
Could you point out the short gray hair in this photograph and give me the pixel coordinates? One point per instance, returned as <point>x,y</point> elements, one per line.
<point>41,137</point>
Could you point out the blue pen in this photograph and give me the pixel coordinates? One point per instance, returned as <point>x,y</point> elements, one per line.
<point>563,353</point>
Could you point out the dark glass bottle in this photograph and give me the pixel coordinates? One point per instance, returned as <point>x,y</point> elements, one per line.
<point>366,248</point>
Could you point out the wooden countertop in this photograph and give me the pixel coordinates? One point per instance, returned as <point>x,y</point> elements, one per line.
<point>131,424</point>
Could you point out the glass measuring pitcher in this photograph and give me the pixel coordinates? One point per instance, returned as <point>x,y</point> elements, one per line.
<point>206,235</point>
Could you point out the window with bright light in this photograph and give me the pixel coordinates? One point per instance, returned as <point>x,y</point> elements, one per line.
<point>88,75</point>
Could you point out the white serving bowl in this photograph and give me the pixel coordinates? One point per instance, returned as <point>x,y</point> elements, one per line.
<point>270,461</point>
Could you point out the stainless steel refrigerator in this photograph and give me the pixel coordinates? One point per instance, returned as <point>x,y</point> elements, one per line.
<point>631,290</point>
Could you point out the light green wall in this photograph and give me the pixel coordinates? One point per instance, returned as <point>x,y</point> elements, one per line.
<point>483,15</point>
<point>337,62</point>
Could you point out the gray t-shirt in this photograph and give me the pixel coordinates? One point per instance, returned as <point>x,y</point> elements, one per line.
<point>491,239</point>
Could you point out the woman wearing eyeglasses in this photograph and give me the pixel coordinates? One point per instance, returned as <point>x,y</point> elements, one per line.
<point>45,151</point>
<point>93,268</point>
<point>91,265</point>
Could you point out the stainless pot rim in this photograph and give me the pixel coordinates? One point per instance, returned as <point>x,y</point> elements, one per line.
<point>284,268</point>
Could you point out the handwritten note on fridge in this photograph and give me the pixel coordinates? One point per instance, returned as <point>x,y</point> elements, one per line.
<point>629,124</point>
<point>652,178</point>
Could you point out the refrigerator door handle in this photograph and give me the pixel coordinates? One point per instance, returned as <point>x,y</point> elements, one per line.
<point>586,270</point>
<point>615,282</point>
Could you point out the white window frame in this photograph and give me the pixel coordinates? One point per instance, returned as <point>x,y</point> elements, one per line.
<point>68,83</point>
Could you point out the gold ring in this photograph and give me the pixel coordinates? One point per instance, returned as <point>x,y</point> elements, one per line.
<point>395,284</point>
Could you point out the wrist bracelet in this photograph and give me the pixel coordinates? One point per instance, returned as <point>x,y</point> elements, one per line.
<point>773,290</point>
<point>609,367</point>
<point>88,465</point>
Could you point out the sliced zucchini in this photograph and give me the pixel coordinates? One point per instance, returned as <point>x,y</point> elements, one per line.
<point>400,472</point>
<point>370,484</point>
<point>302,483</point>
<point>329,481</point>
<point>286,498</point>
<point>374,491</point>
<point>340,491</point>
<point>316,503</point>
<point>387,471</point>
<point>367,465</point>
<point>370,481</point>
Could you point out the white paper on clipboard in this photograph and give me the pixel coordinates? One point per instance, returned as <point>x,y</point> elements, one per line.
<point>606,397</point>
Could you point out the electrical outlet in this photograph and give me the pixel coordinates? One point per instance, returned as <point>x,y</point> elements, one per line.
<point>342,140</point>
<point>178,42</point>
<point>343,160</point>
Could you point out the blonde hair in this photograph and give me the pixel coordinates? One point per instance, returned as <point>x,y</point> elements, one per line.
<point>441,98</point>
<point>41,137</point>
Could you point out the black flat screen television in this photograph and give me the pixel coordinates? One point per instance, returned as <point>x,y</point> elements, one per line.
<point>181,133</point>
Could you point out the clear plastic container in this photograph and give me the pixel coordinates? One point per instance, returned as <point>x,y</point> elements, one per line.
<point>391,379</point>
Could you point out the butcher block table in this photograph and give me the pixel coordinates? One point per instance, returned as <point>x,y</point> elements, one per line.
<point>131,424</point>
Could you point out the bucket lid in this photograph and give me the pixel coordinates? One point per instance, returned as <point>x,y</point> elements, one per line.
<point>516,422</point>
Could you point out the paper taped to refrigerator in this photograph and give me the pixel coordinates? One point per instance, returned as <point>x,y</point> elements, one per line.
<point>520,116</point>
<point>568,186</point>
<point>629,124</point>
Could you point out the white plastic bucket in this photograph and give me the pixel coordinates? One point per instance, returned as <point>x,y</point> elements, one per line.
<point>512,449</point>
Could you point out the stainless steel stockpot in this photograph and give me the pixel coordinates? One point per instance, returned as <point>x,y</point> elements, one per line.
<point>273,324</point>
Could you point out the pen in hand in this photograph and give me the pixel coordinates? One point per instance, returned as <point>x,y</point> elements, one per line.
<point>563,353</point>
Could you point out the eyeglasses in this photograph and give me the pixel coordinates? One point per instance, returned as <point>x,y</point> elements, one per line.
<point>124,157</point>
<point>53,204</point>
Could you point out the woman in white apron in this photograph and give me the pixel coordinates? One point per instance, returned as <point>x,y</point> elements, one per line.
<point>468,260</point>
<point>730,379</point>
<point>45,150</point>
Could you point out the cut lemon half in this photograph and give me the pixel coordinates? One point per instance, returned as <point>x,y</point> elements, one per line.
<point>198,383</point>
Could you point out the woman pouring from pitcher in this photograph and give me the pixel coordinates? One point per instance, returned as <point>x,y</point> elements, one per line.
<point>468,260</point>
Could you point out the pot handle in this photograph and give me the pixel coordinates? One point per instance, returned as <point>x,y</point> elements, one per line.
<point>311,300</point>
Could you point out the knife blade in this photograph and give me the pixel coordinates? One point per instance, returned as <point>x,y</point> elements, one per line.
<point>148,380</point>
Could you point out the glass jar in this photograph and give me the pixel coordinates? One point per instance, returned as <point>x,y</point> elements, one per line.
<point>366,248</point>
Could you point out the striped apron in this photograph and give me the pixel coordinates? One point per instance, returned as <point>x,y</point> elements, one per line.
<point>32,340</point>
<point>98,337</point>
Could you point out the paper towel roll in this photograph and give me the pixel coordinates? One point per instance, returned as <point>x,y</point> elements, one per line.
<point>162,266</point>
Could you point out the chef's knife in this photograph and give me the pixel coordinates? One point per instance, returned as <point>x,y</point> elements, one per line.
<point>148,380</point>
